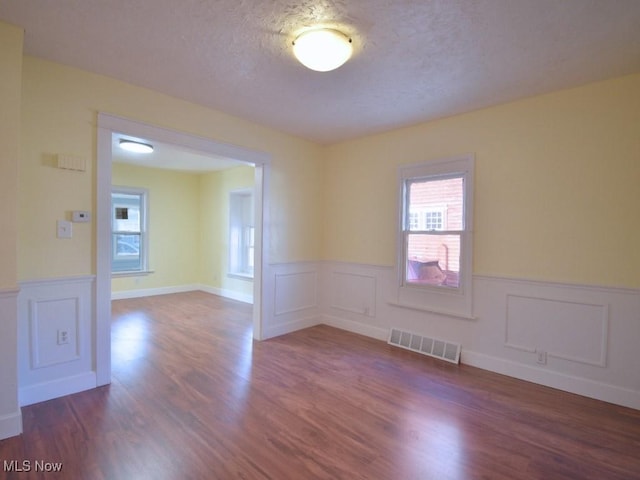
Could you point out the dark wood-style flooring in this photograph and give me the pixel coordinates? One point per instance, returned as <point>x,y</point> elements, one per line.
<point>193,397</point>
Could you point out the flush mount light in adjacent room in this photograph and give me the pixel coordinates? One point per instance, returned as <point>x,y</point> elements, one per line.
<point>137,147</point>
<point>322,49</point>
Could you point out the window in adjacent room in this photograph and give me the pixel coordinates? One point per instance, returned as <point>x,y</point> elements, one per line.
<point>128,228</point>
<point>435,243</point>
<point>241,233</point>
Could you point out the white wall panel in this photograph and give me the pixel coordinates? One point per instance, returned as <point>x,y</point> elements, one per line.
<point>295,291</point>
<point>290,298</point>
<point>49,366</point>
<point>48,320</point>
<point>542,324</point>
<point>353,292</point>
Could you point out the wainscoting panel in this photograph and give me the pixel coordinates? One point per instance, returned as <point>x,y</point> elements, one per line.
<point>55,338</point>
<point>295,292</point>
<point>353,298</point>
<point>353,293</point>
<point>541,324</point>
<point>55,328</point>
<point>588,334</point>
<point>290,293</point>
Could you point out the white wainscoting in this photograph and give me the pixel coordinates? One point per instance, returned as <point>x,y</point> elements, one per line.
<point>354,293</point>
<point>589,334</point>
<point>351,298</point>
<point>10,415</point>
<point>536,324</point>
<point>55,338</point>
<point>291,298</point>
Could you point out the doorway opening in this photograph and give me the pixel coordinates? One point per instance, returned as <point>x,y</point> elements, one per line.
<point>110,130</point>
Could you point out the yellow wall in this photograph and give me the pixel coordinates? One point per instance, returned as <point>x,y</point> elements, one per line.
<point>556,178</point>
<point>188,217</point>
<point>214,218</point>
<point>557,195</point>
<point>174,226</point>
<point>59,107</point>
<point>10,86</point>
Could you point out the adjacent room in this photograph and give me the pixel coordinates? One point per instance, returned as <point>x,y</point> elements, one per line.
<point>408,252</point>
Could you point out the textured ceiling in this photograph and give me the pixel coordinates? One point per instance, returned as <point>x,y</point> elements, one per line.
<point>414,60</point>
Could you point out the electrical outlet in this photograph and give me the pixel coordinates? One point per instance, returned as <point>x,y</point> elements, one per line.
<point>542,357</point>
<point>63,337</point>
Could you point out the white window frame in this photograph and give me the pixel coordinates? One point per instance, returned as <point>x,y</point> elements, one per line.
<point>447,300</point>
<point>144,230</point>
<point>241,235</point>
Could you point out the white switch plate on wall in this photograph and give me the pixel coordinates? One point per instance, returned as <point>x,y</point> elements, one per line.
<point>64,229</point>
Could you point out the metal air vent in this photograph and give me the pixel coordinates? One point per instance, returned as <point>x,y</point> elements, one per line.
<point>432,347</point>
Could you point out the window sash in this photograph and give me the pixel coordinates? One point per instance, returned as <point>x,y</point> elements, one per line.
<point>439,267</point>
<point>241,233</point>
<point>413,218</point>
<point>121,260</point>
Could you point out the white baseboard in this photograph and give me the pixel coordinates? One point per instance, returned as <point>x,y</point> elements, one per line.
<point>56,388</point>
<point>241,297</point>
<point>149,292</point>
<point>289,327</point>
<point>567,383</point>
<point>356,327</point>
<point>10,425</point>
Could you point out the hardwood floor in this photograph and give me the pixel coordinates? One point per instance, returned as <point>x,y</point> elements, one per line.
<point>193,397</point>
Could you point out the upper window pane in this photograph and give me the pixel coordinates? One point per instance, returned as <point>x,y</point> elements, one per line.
<point>436,204</point>
<point>126,212</point>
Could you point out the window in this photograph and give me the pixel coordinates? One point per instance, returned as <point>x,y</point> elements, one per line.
<point>128,230</point>
<point>434,239</point>
<point>432,244</point>
<point>241,233</point>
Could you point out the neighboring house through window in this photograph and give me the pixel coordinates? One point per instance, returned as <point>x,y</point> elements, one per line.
<point>129,230</point>
<point>435,235</point>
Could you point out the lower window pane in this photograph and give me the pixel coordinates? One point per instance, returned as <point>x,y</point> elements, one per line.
<point>126,253</point>
<point>433,259</point>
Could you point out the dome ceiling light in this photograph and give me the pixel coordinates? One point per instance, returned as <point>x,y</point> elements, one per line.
<point>322,49</point>
<point>137,147</point>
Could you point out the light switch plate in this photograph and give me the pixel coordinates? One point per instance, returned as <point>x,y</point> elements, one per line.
<point>65,229</point>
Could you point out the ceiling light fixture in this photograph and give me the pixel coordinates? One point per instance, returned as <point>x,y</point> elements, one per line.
<point>137,147</point>
<point>322,49</point>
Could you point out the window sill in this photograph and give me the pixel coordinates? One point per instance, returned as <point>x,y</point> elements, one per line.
<point>421,308</point>
<point>240,275</point>
<point>133,273</point>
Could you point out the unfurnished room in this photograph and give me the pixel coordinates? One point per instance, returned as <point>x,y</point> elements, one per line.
<point>321,239</point>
